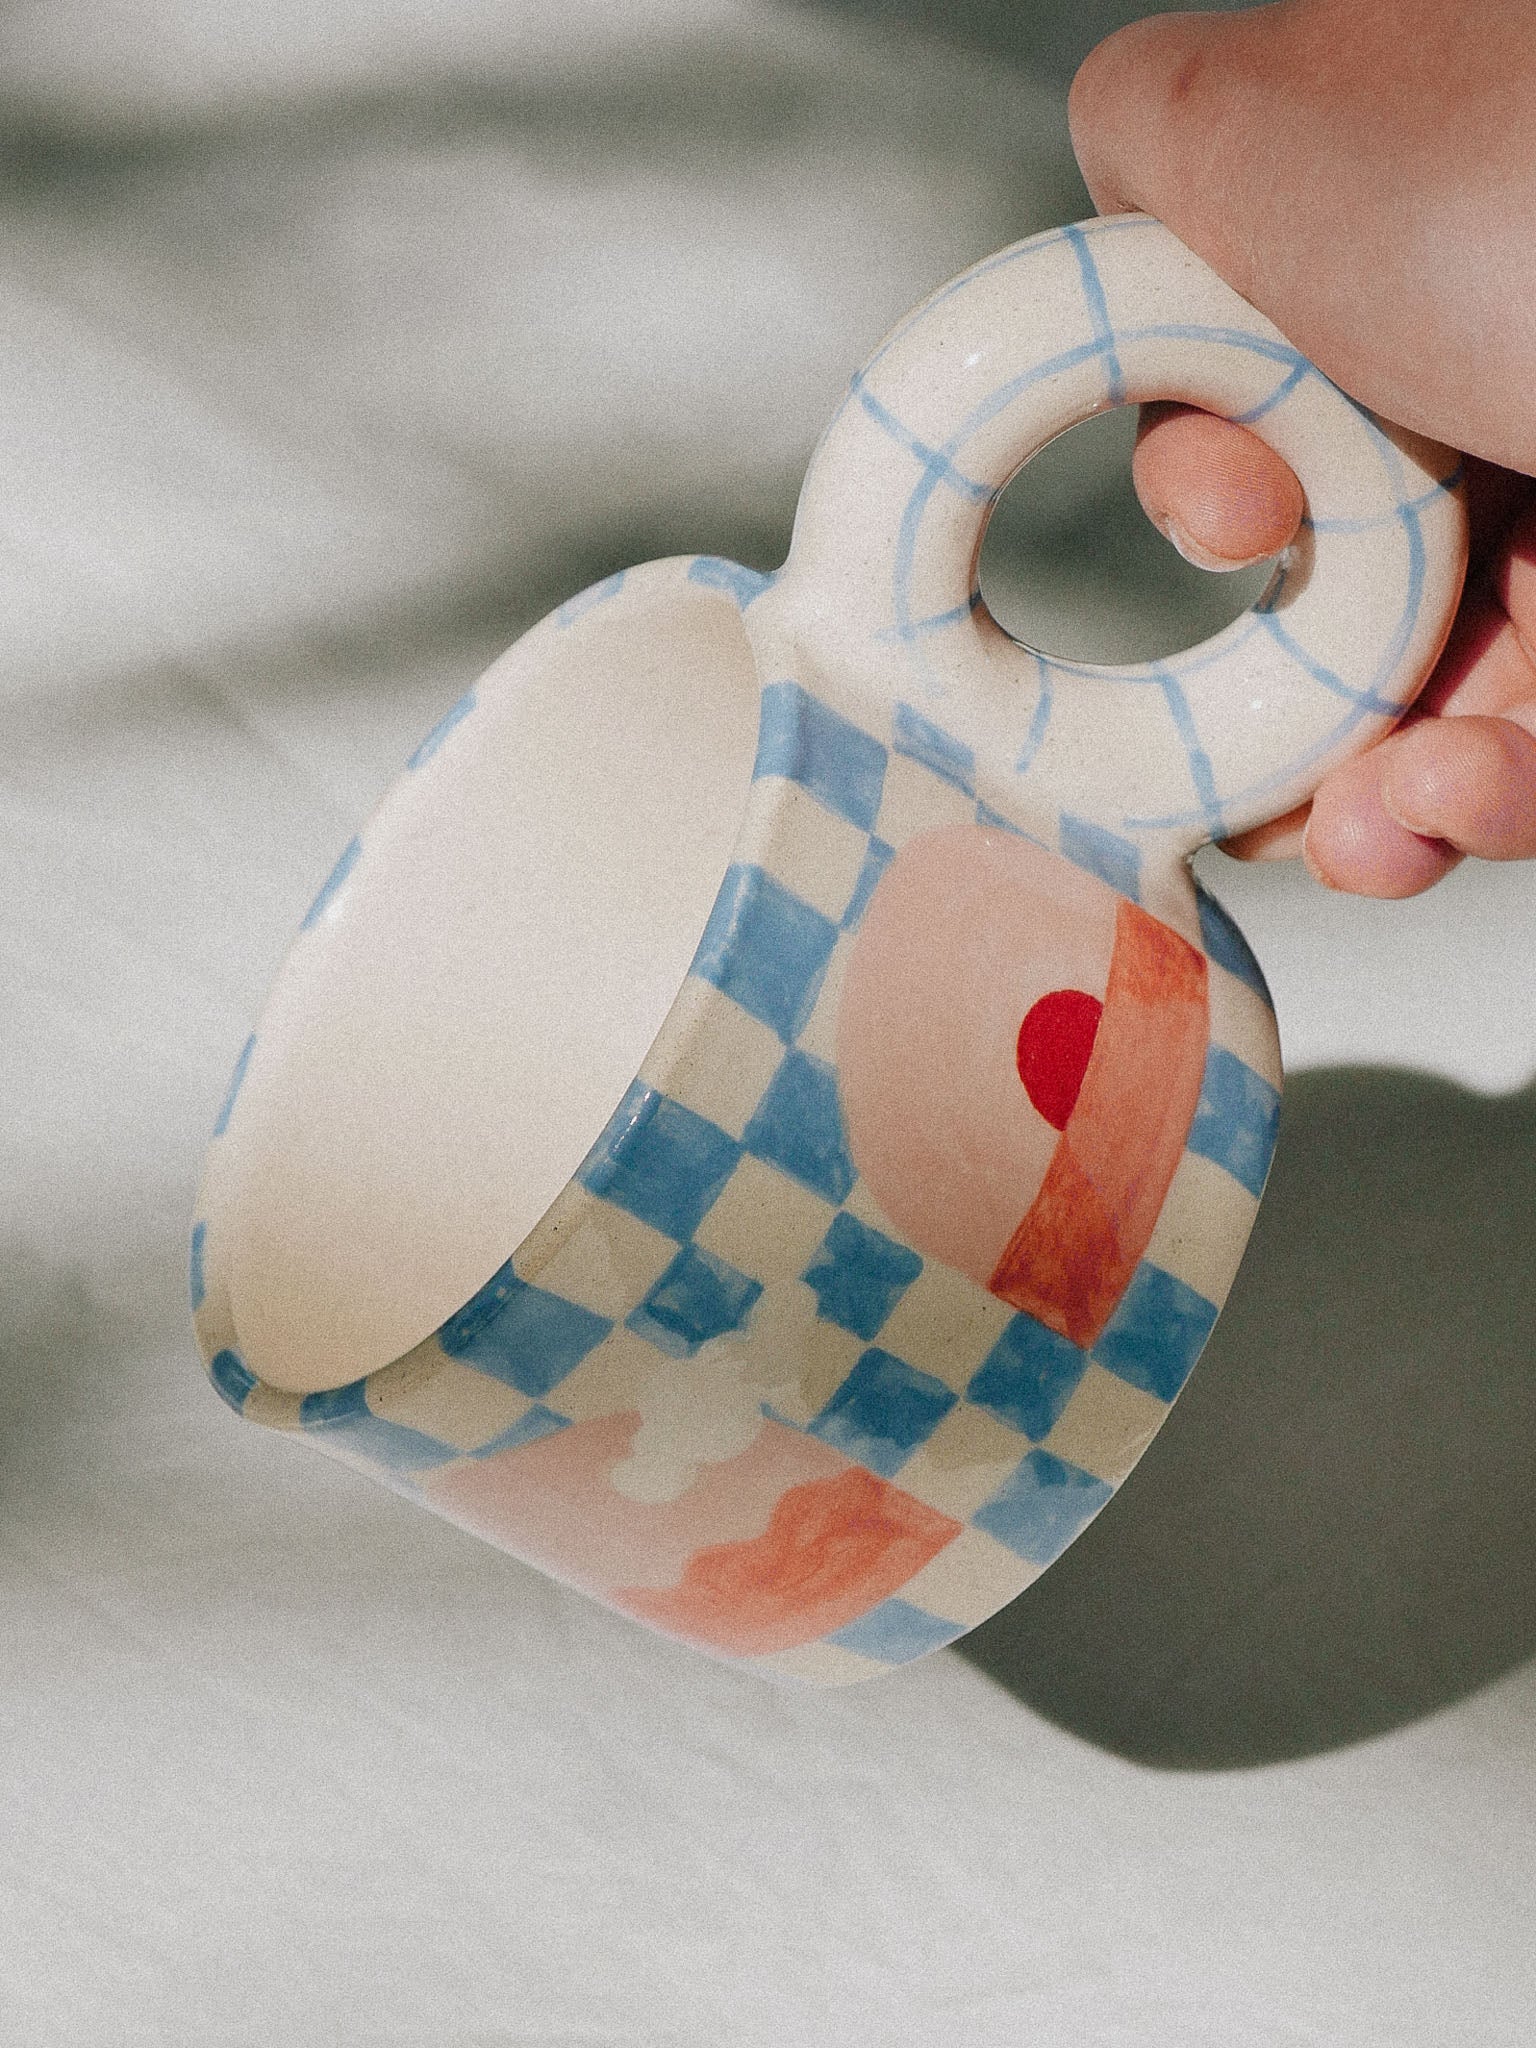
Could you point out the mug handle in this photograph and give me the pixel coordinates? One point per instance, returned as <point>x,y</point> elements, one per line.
<point>880,597</point>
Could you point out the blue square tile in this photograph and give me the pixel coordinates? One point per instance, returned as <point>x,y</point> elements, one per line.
<point>344,1411</point>
<point>1237,1119</point>
<point>923,741</point>
<point>1226,945</point>
<point>765,948</point>
<point>876,861</point>
<point>661,1161</point>
<point>538,1422</point>
<point>808,742</point>
<point>1158,1331</point>
<point>1028,1377</point>
<point>698,1297</point>
<point>883,1411</point>
<point>522,1335</point>
<point>1105,854</point>
<point>896,1632</point>
<point>232,1377</point>
<point>859,1275</point>
<point>1041,1506</point>
<point>798,1127</point>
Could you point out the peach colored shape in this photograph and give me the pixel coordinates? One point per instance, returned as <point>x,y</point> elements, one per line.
<point>968,928</point>
<point>550,1502</point>
<point>834,1549</point>
<point>1072,1257</point>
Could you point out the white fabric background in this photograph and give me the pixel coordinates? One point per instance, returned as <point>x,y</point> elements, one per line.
<point>336,343</point>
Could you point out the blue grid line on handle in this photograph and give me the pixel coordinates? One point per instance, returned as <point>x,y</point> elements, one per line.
<point>1364,703</point>
<point>933,459</point>
<point>943,459</point>
<point>936,622</point>
<point>980,415</point>
<point>1201,773</point>
<point>1098,312</point>
<point>1364,700</point>
<point>1297,368</point>
<point>1040,718</point>
<point>1278,396</point>
<point>1374,521</point>
<point>1139,675</point>
<point>1004,259</point>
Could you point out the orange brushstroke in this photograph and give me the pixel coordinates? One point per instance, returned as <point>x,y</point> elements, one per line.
<point>1072,1257</point>
<point>833,1549</point>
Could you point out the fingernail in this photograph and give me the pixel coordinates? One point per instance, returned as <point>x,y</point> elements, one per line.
<point>1202,558</point>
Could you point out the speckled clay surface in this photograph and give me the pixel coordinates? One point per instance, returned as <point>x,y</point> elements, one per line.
<point>761,1123</point>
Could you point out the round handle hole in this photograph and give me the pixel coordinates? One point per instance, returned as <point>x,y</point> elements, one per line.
<point>1071,564</point>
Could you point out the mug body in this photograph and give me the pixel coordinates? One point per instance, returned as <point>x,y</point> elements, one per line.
<point>761,1122</point>
<point>872,1173</point>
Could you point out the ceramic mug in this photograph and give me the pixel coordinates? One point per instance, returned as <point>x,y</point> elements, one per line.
<point>761,1122</point>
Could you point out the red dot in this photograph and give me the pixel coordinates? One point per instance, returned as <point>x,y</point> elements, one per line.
<point>1055,1045</point>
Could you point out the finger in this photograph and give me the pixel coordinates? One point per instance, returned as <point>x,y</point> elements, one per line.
<point>1486,669</point>
<point>1514,579</point>
<point>1496,499</point>
<point>1488,666</point>
<point>1353,843</point>
<point>1468,781</point>
<point>1220,494</point>
<point>1280,839</point>
<point>1380,191</point>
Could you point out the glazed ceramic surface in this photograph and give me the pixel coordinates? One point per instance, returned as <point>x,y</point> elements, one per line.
<point>761,1123</point>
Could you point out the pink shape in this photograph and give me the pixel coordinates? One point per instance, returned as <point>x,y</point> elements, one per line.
<point>551,1501</point>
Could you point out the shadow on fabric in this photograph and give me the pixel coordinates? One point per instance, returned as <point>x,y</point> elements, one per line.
<point>1335,1534</point>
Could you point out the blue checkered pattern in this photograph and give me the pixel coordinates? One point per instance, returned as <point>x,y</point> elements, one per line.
<point>766,951</point>
<point>521,1334</point>
<point>711,1169</point>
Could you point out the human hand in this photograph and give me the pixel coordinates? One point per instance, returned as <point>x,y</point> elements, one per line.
<point>1362,171</point>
